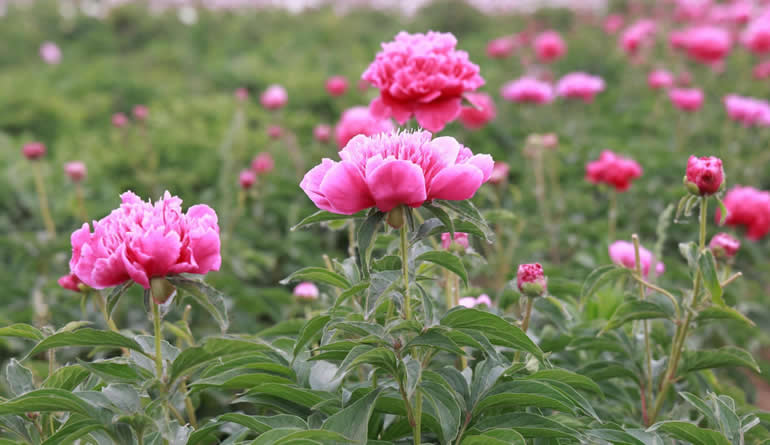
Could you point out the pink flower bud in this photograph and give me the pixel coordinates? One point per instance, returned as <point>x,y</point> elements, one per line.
<point>723,245</point>
<point>262,163</point>
<point>470,302</point>
<point>686,99</point>
<point>613,23</point>
<point>660,79</point>
<point>623,254</point>
<point>614,170</point>
<point>501,48</point>
<point>461,240</point>
<point>119,120</point>
<point>306,291</point>
<point>140,112</point>
<point>322,133</point>
<point>274,132</point>
<point>76,170</point>
<point>528,90</point>
<point>274,97</point>
<point>549,46</point>
<point>50,53</point>
<point>336,85</point>
<point>242,94</point>
<point>247,178</point>
<point>531,280</point>
<point>580,86</point>
<point>706,174</point>
<point>33,150</point>
<point>71,282</point>
<point>499,172</point>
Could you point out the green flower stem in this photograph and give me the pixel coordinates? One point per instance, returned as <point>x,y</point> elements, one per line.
<point>99,300</point>
<point>43,199</point>
<point>643,296</point>
<point>81,202</point>
<point>417,417</point>
<point>158,352</point>
<point>405,268</point>
<point>612,215</point>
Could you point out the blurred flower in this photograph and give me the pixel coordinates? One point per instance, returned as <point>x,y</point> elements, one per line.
<point>247,178</point>
<point>622,253</point>
<point>691,10</point>
<point>400,168</point>
<point>470,302</point>
<point>76,170</point>
<point>747,110</point>
<point>613,23</point>
<point>70,282</point>
<point>660,79</point>
<point>614,170</point>
<point>637,35</point>
<point>359,120</point>
<point>119,120</point>
<point>528,90</point>
<point>336,85</point>
<point>580,86</point>
<point>707,44</point>
<point>140,112</point>
<point>461,239</point>
<point>723,245</point>
<point>322,133</point>
<point>274,131</point>
<point>242,94</point>
<point>686,99</point>
<point>274,97</point>
<point>140,241</point>
<point>306,291</point>
<point>748,207</point>
<point>501,47</point>
<point>499,172</point>
<point>531,280</point>
<point>263,163</point>
<point>50,53</point>
<point>481,111</point>
<point>757,36</point>
<point>762,70</point>
<point>421,75</point>
<point>33,150</point>
<point>704,175</point>
<point>549,46</point>
<point>549,140</point>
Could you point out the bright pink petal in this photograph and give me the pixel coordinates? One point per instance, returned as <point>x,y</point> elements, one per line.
<point>483,162</point>
<point>396,182</point>
<point>456,183</point>
<point>435,115</point>
<point>311,184</point>
<point>345,189</point>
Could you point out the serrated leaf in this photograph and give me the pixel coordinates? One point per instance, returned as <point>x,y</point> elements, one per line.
<point>23,331</point>
<point>691,433</point>
<point>708,270</point>
<point>635,310</point>
<point>212,300</point>
<point>319,275</point>
<point>446,260</point>
<point>727,356</point>
<point>497,330</point>
<point>86,337</point>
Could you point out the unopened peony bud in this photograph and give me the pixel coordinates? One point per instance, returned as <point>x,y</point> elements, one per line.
<point>704,175</point>
<point>33,150</point>
<point>531,280</point>
<point>247,178</point>
<point>140,112</point>
<point>724,246</point>
<point>72,282</point>
<point>76,170</point>
<point>460,242</point>
<point>306,291</point>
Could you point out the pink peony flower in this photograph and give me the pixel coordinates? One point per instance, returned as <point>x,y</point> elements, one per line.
<point>660,79</point>
<point>686,99</point>
<point>757,36</point>
<point>622,253</point>
<point>274,131</point>
<point>140,241</point>
<point>471,302</point>
<point>336,85</point>
<point>306,291</point>
<point>119,120</point>
<point>747,110</point>
<point>748,207</point>
<point>461,239</point>
<point>549,46</point>
<point>531,280</point>
<point>33,150</point>
<point>637,35</point>
<point>762,70</point>
<point>359,120</point>
<point>611,169</point>
<point>580,86</point>
<point>322,133</point>
<point>140,112</point>
<point>76,170</point>
<point>499,173</point>
<point>528,90</point>
<point>613,23</point>
<point>50,53</point>
<point>274,97</point>
<point>421,75</point>
<point>70,282</point>
<point>389,170</point>
<point>263,163</point>
<point>691,10</point>
<point>247,178</point>
<point>704,175</point>
<point>723,245</point>
<point>501,47</point>
<point>707,44</point>
<point>481,111</point>
<point>242,94</point>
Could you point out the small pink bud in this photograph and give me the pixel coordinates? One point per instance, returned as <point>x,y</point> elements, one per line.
<point>336,85</point>
<point>33,150</point>
<point>724,246</point>
<point>50,53</point>
<point>71,282</point>
<point>262,163</point>
<point>306,291</point>
<point>119,120</point>
<point>76,170</point>
<point>460,240</point>
<point>531,280</point>
<point>501,48</point>
<point>274,131</point>
<point>660,79</point>
<point>499,173</point>
<point>140,112</point>
<point>549,46</point>
<point>247,178</point>
<point>686,99</point>
<point>242,94</point>
<point>322,133</point>
<point>274,97</point>
<point>706,174</point>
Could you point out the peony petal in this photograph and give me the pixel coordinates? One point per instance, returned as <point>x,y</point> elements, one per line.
<point>311,184</point>
<point>345,189</point>
<point>162,251</point>
<point>396,182</point>
<point>456,183</point>
<point>206,251</point>
<point>483,162</point>
<point>109,271</point>
<point>435,115</point>
<point>400,111</point>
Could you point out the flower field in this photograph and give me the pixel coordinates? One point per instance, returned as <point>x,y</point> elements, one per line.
<point>230,224</point>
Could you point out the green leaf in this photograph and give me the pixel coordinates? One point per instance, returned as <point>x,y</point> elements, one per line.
<point>116,371</point>
<point>599,371</point>
<point>378,357</point>
<point>323,216</point>
<point>19,378</point>
<point>76,428</point>
<point>353,420</point>
<point>528,425</point>
<point>212,300</point>
<point>435,338</point>
<point>497,330</point>
<point>66,377</point>
<point>727,356</point>
<point>689,252</point>
<point>524,393</point>
<point>319,275</point>
<point>364,240</point>
<point>497,436</point>
<point>310,331</point>
<point>446,260</point>
<point>86,337</point>
<point>701,406</point>
<point>443,217</point>
<point>388,262</point>
<point>722,211</point>
<point>442,404</point>
<point>45,400</point>
<point>635,310</point>
<point>23,331</point>
<point>598,277</point>
<point>708,270</point>
<point>114,296</point>
<point>691,433</point>
<point>350,292</point>
<point>467,211</point>
<point>614,437</point>
<point>262,424</point>
<point>722,313</point>
<point>570,378</point>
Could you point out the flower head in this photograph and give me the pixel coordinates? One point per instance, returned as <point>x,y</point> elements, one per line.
<point>704,175</point>
<point>263,163</point>
<point>33,150</point>
<point>499,172</point>
<point>724,245</point>
<point>637,35</point>
<point>359,120</point>
<point>140,112</point>
<point>501,47</point>
<point>748,207</point>
<point>306,291</point>
<point>400,168</point>
<point>757,36</point>
<point>274,97</point>
<point>71,282</point>
<point>119,120</point>
<point>580,86</point>
<point>336,85</point>
<point>686,99</point>
<point>471,302</point>
<point>76,170</point>
<point>247,178</point>
<point>140,241</point>
<point>242,94</point>
<point>747,110</point>
<point>614,170</point>
<point>528,90</point>
<point>50,53</point>
<point>481,111</point>
<point>461,239</point>
<point>660,79</point>
<point>421,75</point>
<point>322,133</point>
<point>613,23</point>
<point>531,279</point>
<point>274,131</point>
<point>549,46</point>
<point>706,44</point>
<point>622,253</point>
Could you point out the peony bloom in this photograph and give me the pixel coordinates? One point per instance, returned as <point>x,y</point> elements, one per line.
<point>421,75</point>
<point>322,133</point>
<point>247,178</point>
<point>691,10</point>
<point>531,280</point>
<point>263,163</point>
<point>707,44</point>
<point>76,170</point>
<point>140,112</point>
<point>471,302</point>
<point>306,291</point>
<point>637,35</point>
<point>33,150</point>
<point>549,46</point>
<point>50,53</point>
<point>613,23</point>
<point>747,110</point>
<point>528,90</point>
<point>704,175</point>
<point>242,94</point>
<point>359,120</point>
<point>501,48</point>
<point>723,245</point>
<point>274,131</point>
<point>274,97</point>
<point>762,70</point>
<point>580,86</point>
<point>611,169</point>
<point>748,207</point>
<point>140,241</point>
<point>660,79</point>
<point>400,168</point>
<point>70,282</point>
<point>686,99</point>
<point>336,86</point>
<point>461,239</point>
<point>757,36</point>
<point>119,120</point>
<point>481,111</point>
<point>622,253</point>
<point>499,173</point>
